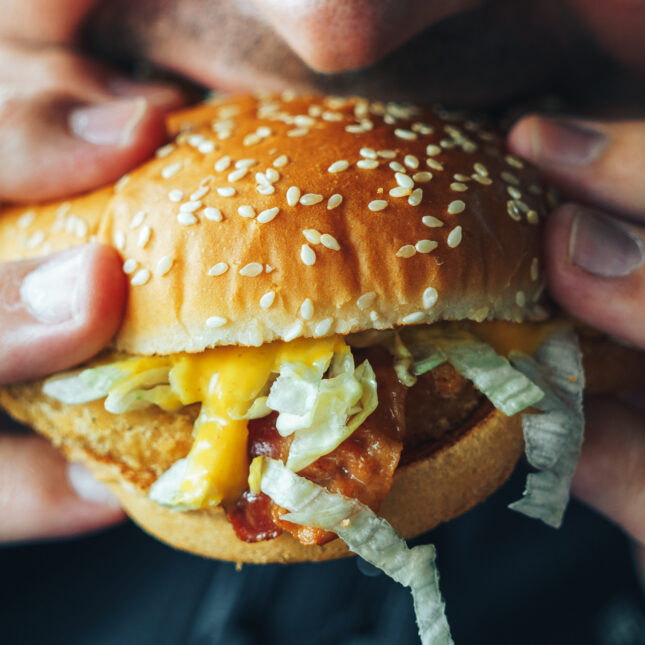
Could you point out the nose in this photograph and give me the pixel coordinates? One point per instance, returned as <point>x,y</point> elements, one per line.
<point>341,35</point>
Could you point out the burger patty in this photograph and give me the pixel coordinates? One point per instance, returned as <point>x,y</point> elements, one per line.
<point>363,465</point>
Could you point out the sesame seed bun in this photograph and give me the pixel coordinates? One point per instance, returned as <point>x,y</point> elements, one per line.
<point>279,217</point>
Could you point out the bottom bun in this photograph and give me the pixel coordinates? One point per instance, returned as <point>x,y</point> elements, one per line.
<point>435,485</point>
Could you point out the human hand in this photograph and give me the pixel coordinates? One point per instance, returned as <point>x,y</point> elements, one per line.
<point>594,257</point>
<point>67,125</point>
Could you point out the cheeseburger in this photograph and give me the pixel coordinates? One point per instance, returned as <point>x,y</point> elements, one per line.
<point>334,312</point>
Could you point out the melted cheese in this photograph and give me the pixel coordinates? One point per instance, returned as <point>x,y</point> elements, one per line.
<point>506,337</point>
<point>227,380</point>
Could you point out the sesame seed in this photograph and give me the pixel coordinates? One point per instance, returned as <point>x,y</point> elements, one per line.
<point>406,251</point>
<point>297,132</point>
<point>171,170</point>
<point>338,166</point>
<point>432,150</point>
<point>456,207</point>
<point>509,177</point>
<point>246,211</point>
<point>354,128</point>
<point>218,269</point>
<point>215,321</point>
<point>323,327</point>
<point>226,191</point>
<point>397,167</point>
<point>267,299</point>
<point>520,299</point>
<point>129,266</point>
<point>334,201</point>
<point>199,193</point>
<point>514,192</point>
<point>411,161</point>
<point>415,198</point>
<point>426,246</point>
<point>454,237</point>
<point>480,169</point>
<point>222,164</point>
<point>307,255</point>
<point>293,195</point>
<point>272,175</point>
<point>310,199</point>
<point>430,297</point>
<point>268,268</point>
<point>535,268</point>
<point>413,318</point>
<point>434,164</point>
<point>281,161</point>
<point>140,277</point>
<point>330,242</point>
<point>479,315</point>
<point>237,174</point>
<point>532,217</point>
<point>398,191</point>
<point>35,240</point>
<point>422,177</point>
<point>367,153</point>
<point>190,207</point>
<point>431,221</point>
<point>164,151</point>
<point>377,205</point>
<point>459,177</point>
<point>403,180</point>
<point>365,301</point>
<point>119,240</point>
<point>265,189</point>
<point>176,195</point>
<point>144,236</point>
<point>263,132</point>
<point>513,161</point>
<point>206,147</point>
<point>367,164</point>
<point>195,139</point>
<point>164,265</point>
<point>513,210</point>
<point>137,219</point>
<point>120,184</point>
<point>251,269</point>
<point>213,214</point>
<point>483,180</point>
<point>304,121</point>
<point>458,187</point>
<point>307,309</point>
<point>186,219</point>
<point>422,128</point>
<point>293,331</point>
<point>408,135</point>
<point>331,116</point>
<point>262,179</point>
<point>251,139</point>
<point>311,235</point>
<point>26,219</point>
<point>267,215</point>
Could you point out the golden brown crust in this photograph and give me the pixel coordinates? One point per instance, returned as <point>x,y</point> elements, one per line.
<point>492,272</point>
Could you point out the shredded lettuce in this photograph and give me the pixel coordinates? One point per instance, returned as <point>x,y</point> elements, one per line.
<point>553,439</point>
<point>164,490</point>
<point>367,535</point>
<point>507,388</point>
<point>149,387</point>
<point>85,386</point>
<point>321,412</point>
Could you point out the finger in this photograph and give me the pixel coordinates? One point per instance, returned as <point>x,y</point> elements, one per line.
<point>41,495</point>
<point>611,473</point>
<point>59,310</point>
<point>594,162</point>
<point>595,271</point>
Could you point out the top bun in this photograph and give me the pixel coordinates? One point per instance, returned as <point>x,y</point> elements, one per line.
<point>281,216</point>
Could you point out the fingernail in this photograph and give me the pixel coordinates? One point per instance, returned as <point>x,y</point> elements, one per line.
<point>50,292</point>
<point>604,247</point>
<point>84,484</point>
<point>565,142</point>
<point>108,124</point>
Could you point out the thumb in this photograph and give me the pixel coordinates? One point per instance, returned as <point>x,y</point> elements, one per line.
<point>42,496</point>
<point>59,310</point>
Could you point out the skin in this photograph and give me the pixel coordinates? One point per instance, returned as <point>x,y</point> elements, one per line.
<point>58,58</point>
